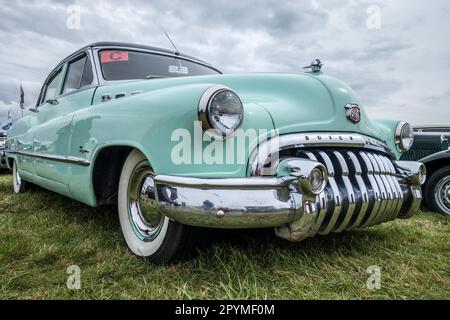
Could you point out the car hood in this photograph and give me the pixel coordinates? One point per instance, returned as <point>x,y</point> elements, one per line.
<point>296,102</point>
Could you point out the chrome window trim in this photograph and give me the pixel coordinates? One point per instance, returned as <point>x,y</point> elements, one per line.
<point>65,159</point>
<point>58,71</point>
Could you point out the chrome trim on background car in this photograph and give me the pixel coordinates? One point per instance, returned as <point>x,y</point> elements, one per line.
<point>66,159</point>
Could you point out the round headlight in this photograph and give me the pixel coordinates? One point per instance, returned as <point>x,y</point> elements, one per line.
<point>404,136</point>
<point>221,109</point>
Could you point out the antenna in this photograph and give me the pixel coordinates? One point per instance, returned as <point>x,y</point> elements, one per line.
<point>173,44</point>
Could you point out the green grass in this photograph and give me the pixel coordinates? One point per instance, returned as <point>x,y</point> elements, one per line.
<point>41,234</point>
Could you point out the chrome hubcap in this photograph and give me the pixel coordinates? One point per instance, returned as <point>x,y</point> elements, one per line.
<point>145,217</point>
<point>443,194</point>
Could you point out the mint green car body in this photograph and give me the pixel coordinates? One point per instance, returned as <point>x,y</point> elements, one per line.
<point>289,103</point>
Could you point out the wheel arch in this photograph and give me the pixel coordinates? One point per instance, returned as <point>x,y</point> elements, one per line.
<point>436,161</point>
<point>107,166</point>
<point>9,161</point>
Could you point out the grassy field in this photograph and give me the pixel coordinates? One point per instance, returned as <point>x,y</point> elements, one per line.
<point>41,234</point>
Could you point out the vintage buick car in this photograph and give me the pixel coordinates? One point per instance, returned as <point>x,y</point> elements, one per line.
<point>432,147</point>
<point>108,129</point>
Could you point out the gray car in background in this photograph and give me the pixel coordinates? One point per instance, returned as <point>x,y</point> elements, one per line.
<point>432,147</point>
<point>3,166</point>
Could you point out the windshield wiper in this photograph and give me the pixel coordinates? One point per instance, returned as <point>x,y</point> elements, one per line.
<point>154,76</point>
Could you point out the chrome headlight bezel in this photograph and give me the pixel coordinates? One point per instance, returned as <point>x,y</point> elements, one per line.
<point>400,135</point>
<point>204,106</point>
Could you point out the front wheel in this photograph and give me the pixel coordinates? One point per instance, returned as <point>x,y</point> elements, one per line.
<point>437,191</point>
<point>147,232</point>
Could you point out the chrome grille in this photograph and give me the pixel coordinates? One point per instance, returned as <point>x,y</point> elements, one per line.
<point>362,191</point>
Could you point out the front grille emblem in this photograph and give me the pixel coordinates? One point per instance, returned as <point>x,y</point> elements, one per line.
<point>353,112</point>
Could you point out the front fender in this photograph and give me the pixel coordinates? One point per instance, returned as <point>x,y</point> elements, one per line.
<point>436,156</point>
<point>387,132</point>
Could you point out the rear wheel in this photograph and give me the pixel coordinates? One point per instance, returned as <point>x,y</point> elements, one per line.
<point>147,232</point>
<point>19,184</point>
<point>437,191</point>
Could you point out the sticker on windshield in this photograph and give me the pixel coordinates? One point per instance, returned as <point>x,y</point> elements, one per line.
<point>178,70</point>
<point>113,56</point>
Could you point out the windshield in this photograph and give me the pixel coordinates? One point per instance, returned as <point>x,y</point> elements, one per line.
<point>127,65</point>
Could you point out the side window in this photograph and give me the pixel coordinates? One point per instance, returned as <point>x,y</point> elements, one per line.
<point>50,90</point>
<point>79,75</point>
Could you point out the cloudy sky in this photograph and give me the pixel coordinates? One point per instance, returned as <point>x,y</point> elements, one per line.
<point>395,54</point>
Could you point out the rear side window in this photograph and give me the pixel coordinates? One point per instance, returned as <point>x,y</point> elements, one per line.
<point>50,91</point>
<point>79,75</point>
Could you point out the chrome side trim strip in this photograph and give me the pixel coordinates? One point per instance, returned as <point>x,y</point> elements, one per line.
<point>65,159</point>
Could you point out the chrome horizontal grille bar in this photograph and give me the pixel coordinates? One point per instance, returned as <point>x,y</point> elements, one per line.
<point>363,190</point>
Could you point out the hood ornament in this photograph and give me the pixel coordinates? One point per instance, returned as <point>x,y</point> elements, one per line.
<point>315,66</point>
<point>353,112</point>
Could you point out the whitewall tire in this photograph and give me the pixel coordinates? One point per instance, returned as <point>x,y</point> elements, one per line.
<point>147,232</point>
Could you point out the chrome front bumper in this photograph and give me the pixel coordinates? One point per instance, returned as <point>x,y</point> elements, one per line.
<point>370,191</point>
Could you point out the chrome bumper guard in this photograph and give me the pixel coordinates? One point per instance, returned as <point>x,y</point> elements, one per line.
<point>364,189</point>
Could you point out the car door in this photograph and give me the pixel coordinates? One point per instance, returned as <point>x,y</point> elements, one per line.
<point>43,126</point>
<point>74,91</point>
